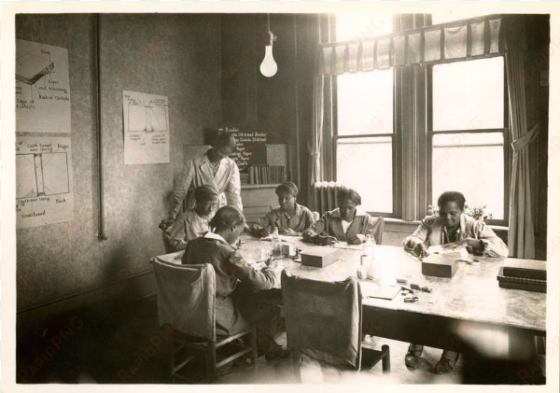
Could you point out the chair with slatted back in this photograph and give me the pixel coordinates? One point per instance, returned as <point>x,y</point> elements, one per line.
<point>324,320</point>
<point>186,297</point>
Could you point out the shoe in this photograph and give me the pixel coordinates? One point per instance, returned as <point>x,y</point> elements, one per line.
<point>445,366</point>
<point>412,358</point>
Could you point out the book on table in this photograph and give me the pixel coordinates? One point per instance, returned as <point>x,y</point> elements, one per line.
<point>523,268</point>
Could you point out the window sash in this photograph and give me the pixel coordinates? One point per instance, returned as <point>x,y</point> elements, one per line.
<point>396,201</point>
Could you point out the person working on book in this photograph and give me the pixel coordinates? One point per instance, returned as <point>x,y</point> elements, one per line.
<point>239,287</point>
<point>290,218</point>
<point>450,226</point>
<point>214,168</point>
<point>193,223</point>
<point>348,223</point>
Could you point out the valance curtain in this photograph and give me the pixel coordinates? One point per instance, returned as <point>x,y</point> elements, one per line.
<point>471,39</point>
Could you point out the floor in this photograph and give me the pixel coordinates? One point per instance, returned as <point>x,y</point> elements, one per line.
<point>124,347</point>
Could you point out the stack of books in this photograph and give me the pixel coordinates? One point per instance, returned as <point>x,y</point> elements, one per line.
<point>266,174</point>
<point>523,274</point>
<point>244,177</point>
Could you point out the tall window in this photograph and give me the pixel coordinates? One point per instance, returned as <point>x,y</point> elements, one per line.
<point>364,141</point>
<point>468,131</point>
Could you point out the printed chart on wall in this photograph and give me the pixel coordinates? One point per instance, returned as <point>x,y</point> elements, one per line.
<point>44,193</point>
<point>42,88</point>
<point>146,128</point>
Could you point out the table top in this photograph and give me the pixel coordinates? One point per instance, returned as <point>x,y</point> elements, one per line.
<point>472,294</point>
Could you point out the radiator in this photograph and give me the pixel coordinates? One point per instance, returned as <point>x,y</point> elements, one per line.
<point>326,196</point>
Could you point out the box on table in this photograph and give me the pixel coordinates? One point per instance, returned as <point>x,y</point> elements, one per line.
<point>441,265</point>
<point>321,257</point>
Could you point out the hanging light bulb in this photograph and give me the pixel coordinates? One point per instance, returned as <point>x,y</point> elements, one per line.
<point>268,66</point>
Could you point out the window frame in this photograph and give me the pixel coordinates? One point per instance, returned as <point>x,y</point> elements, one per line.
<point>505,132</point>
<point>395,151</point>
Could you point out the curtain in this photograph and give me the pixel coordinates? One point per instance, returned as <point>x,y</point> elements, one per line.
<point>521,237</point>
<point>474,38</point>
<point>315,142</point>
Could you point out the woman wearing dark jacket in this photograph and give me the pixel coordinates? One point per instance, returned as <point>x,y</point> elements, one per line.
<point>239,303</point>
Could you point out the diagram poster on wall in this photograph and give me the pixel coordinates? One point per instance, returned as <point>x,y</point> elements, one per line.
<point>146,128</point>
<point>44,192</point>
<point>42,88</point>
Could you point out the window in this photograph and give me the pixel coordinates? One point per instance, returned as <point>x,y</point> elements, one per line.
<point>364,142</point>
<point>468,133</point>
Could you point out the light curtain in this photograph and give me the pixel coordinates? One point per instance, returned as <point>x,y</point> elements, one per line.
<point>469,39</point>
<point>315,142</point>
<point>521,238</point>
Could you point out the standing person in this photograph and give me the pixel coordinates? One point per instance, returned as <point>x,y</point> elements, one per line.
<point>290,218</point>
<point>240,289</point>
<point>348,223</point>
<point>193,223</point>
<point>214,168</point>
<point>450,226</point>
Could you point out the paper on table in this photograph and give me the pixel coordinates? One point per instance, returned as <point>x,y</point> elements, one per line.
<point>373,290</point>
<point>282,238</point>
<point>347,246</point>
<point>439,249</point>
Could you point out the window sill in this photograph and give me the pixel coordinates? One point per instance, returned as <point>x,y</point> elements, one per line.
<point>399,225</point>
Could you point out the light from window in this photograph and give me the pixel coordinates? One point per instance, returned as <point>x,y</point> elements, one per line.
<point>472,163</point>
<point>366,165</point>
<point>450,16</point>
<point>468,95</point>
<point>356,26</point>
<point>365,103</point>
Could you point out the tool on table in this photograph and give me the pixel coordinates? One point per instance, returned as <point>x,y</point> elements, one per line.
<point>419,288</point>
<point>411,299</point>
<point>407,290</point>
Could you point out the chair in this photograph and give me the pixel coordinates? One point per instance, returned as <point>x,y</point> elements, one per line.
<point>378,233</point>
<point>186,297</point>
<point>324,319</point>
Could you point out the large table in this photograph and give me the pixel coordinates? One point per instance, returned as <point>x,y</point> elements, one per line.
<point>467,306</point>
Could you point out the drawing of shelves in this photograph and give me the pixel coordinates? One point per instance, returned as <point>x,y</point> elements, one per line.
<point>41,174</point>
<point>31,68</point>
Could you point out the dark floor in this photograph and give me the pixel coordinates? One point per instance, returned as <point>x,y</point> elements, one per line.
<point>125,347</point>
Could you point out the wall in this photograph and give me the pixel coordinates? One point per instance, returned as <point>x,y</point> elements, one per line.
<point>62,267</point>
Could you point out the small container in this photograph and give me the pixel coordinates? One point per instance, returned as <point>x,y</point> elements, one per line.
<point>361,272</point>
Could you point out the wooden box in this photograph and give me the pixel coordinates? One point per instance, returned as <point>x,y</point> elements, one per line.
<point>441,265</point>
<point>321,257</point>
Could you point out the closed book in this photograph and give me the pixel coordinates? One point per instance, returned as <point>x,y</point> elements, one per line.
<point>523,287</point>
<point>524,268</point>
<point>520,280</point>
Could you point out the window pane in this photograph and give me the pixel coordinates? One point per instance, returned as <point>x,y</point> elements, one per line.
<point>450,16</point>
<point>472,164</point>
<point>365,103</point>
<point>366,165</point>
<point>468,95</point>
<point>362,25</point>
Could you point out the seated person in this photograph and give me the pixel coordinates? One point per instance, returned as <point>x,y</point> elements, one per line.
<point>450,226</point>
<point>194,223</point>
<point>347,223</point>
<point>290,218</point>
<point>239,297</point>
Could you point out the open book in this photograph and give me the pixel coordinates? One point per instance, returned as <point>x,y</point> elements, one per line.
<point>451,252</point>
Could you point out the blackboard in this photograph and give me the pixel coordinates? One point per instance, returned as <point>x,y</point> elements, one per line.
<point>251,145</point>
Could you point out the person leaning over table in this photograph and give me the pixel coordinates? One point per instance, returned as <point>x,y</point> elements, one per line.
<point>450,226</point>
<point>240,289</point>
<point>347,223</point>
<point>214,168</point>
<point>194,223</point>
<point>290,218</point>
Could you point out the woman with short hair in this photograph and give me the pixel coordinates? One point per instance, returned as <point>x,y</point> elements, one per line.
<point>450,226</point>
<point>290,218</point>
<point>348,222</point>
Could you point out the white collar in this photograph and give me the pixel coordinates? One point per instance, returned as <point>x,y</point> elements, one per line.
<point>215,236</point>
<point>359,212</point>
